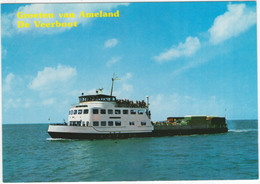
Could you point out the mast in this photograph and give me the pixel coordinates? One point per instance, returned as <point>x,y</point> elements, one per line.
<point>113,79</point>
<point>148,112</point>
<point>147,102</point>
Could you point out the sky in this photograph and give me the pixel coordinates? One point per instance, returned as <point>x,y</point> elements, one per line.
<point>190,58</point>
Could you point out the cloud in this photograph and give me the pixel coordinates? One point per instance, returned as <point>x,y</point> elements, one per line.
<point>28,102</point>
<point>113,60</point>
<point>191,45</point>
<point>127,87</point>
<point>200,59</point>
<point>4,53</point>
<point>127,76</point>
<point>121,87</point>
<point>235,21</point>
<point>48,102</point>
<point>52,78</point>
<point>8,24</point>
<point>111,43</point>
<point>10,20</point>
<point>11,103</point>
<point>13,92</point>
<point>163,106</point>
<point>8,81</point>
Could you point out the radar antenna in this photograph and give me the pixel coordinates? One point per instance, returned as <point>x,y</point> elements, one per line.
<point>113,79</point>
<point>99,90</point>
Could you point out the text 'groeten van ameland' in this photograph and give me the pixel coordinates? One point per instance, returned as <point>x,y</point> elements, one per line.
<point>40,24</point>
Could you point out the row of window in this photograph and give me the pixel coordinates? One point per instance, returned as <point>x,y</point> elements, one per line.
<point>109,123</point>
<point>78,123</point>
<point>96,98</point>
<point>71,112</point>
<point>104,111</point>
<point>101,123</point>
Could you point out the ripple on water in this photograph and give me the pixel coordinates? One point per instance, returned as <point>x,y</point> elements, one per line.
<point>38,157</point>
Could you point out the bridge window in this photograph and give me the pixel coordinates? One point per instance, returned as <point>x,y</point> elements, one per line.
<point>125,111</point>
<point>133,111</point>
<point>85,111</point>
<point>118,123</point>
<point>131,123</point>
<point>95,123</point>
<point>103,123</point>
<point>140,112</point>
<point>103,111</point>
<point>117,111</point>
<point>110,111</point>
<point>143,123</point>
<point>75,111</point>
<point>95,111</point>
<point>110,123</point>
<point>80,111</point>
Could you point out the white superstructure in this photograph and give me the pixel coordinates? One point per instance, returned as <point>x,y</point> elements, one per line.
<point>104,114</point>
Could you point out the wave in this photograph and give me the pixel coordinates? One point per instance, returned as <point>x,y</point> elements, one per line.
<point>56,139</point>
<point>243,130</point>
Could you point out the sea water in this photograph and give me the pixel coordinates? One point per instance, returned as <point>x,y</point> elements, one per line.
<point>30,155</point>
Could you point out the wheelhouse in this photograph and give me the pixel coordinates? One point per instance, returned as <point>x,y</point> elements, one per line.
<point>98,97</point>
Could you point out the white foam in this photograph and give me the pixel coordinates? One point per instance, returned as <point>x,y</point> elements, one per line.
<point>243,130</point>
<point>55,139</point>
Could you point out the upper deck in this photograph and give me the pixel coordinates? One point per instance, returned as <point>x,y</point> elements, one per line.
<point>108,98</point>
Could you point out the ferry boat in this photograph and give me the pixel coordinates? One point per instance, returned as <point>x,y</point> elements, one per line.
<point>103,116</point>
